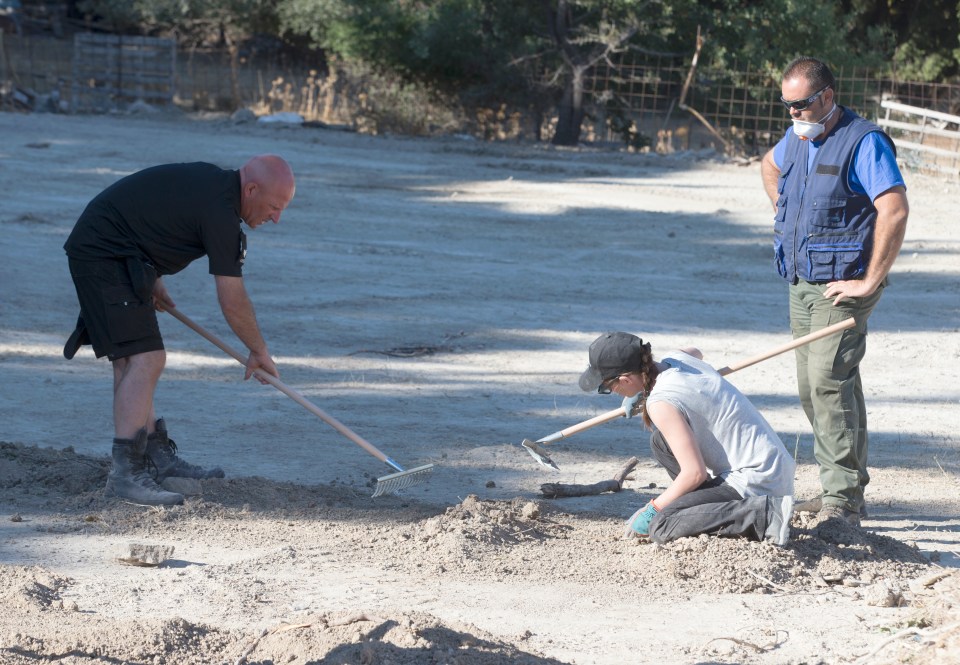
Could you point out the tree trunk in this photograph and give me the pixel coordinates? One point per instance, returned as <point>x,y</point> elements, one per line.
<point>570,111</point>
<point>233,50</point>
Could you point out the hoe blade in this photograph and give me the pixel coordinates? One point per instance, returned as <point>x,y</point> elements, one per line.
<point>539,453</point>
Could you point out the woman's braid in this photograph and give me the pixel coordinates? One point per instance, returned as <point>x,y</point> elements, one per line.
<point>648,373</point>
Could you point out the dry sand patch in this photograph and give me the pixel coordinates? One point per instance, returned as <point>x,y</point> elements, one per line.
<point>532,542</point>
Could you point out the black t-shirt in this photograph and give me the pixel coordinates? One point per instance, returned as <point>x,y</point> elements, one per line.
<point>170,215</point>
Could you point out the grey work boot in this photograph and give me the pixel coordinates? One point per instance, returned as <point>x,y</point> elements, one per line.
<point>851,517</point>
<point>163,452</point>
<point>130,479</point>
<point>815,504</point>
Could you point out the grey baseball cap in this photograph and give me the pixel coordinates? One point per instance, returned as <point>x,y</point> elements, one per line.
<point>611,354</point>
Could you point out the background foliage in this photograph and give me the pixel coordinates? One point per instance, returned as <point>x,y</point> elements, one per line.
<point>532,54</point>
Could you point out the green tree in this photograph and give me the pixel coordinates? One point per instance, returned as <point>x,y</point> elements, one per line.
<point>540,52</point>
<point>767,34</point>
<point>452,43</point>
<point>496,49</point>
<point>584,32</point>
<point>922,36</point>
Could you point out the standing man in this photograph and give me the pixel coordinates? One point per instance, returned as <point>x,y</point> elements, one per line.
<point>149,224</point>
<point>840,215</point>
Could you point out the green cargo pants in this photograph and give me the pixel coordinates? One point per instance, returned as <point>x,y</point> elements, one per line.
<point>828,378</point>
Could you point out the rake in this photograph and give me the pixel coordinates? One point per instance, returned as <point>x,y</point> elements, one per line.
<point>539,453</point>
<point>393,482</point>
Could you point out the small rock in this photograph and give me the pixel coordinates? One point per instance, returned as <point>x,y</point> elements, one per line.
<point>143,554</point>
<point>530,511</point>
<point>490,484</point>
<point>881,595</point>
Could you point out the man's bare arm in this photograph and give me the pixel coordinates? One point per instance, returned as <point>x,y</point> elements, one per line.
<point>238,311</point>
<point>770,174</point>
<point>891,226</point>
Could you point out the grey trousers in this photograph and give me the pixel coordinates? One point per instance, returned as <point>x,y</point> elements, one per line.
<point>714,508</point>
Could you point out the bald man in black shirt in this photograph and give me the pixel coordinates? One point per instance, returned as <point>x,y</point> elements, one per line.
<point>147,225</point>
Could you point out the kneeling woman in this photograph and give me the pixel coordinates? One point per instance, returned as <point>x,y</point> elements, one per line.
<point>731,475</point>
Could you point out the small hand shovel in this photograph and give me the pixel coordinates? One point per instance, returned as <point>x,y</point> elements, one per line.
<point>393,482</point>
<point>540,454</point>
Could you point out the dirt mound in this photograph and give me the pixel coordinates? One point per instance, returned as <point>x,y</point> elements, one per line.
<point>489,523</point>
<point>819,555</point>
<point>70,483</point>
<point>48,473</point>
<point>484,539</point>
<point>407,638</point>
<point>31,589</point>
<point>82,639</point>
<point>538,542</point>
<point>403,638</point>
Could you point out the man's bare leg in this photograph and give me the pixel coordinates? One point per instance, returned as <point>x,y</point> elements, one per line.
<point>135,381</point>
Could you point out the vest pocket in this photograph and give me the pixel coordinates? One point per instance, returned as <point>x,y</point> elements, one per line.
<point>782,176</point>
<point>833,261</point>
<point>827,212</point>
<point>781,213</point>
<point>779,257</point>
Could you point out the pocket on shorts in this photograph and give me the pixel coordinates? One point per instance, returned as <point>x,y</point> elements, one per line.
<point>128,318</point>
<point>143,276</point>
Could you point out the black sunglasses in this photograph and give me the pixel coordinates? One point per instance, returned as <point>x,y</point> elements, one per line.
<point>802,104</point>
<point>606,387</point>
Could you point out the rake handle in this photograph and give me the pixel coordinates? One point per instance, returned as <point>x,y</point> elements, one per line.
<point>788,346</point>
<point>723,371</point>
<point>285,389</point>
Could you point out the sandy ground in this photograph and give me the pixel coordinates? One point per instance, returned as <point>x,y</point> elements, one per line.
<point>438,296</point>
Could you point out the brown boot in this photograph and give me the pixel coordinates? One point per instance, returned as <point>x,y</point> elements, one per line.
<point>815,504</point>
<point>829,511</point>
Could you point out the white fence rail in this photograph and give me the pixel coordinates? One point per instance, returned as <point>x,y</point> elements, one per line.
<point>932,137</point>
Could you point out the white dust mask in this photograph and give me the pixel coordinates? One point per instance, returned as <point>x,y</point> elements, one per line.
<point>810,130</point>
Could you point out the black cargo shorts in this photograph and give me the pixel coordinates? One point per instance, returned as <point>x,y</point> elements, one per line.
<point>116,307</point>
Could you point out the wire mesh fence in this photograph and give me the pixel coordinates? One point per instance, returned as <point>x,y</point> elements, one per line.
<point>742,104</point>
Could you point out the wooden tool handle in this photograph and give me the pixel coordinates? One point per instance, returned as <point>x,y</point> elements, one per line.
<point>284,388</point>
<point>783,348</point>
<point>586,424</point>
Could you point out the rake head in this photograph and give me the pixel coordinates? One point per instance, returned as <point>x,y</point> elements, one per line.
<point>395,482</point>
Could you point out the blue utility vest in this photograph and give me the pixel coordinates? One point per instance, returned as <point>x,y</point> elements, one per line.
<point>823,230</point>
